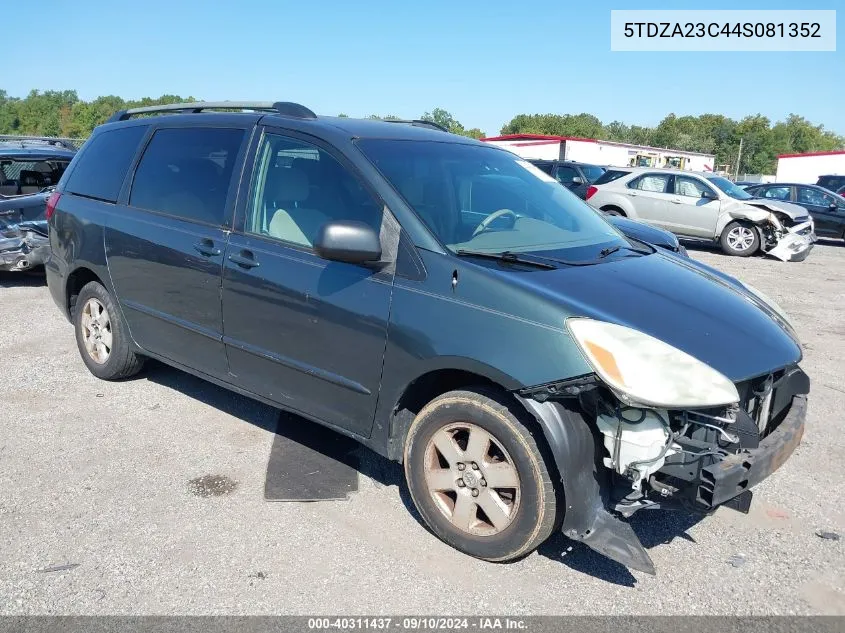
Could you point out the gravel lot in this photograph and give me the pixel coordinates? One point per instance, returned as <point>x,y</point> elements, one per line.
<point>97,515</point>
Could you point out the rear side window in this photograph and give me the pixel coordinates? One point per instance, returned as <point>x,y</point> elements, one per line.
<point>609,176</point>
<point>103,164</point>
<point>656,183</point>
<point>185,172</point>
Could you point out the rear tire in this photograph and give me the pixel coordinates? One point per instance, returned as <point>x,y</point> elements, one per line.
<point>614,211</point>
<point>740,240</point>
<point>478,477</point>
<point>101,335</point>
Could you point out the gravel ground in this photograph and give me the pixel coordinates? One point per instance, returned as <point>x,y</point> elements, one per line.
<point>98,514</point>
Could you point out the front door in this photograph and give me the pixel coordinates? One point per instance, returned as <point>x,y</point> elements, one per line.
<point>691,213</point>
<point>306,333</point>
<point>165,247</point>
<point>828,212</point>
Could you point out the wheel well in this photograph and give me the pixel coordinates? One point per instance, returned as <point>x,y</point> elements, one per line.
<point>419,393</point>
<point>613,207</point>
<point>75,282</point>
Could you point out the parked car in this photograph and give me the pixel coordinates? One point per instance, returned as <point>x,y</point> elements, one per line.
<point>832,182</point>
<point>29,171</point>
<point>573,175</point>
<point>827,209</point>
<point>438,299</point>
<point>706,206</point>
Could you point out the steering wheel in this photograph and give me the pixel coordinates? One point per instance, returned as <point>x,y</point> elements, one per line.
<point>486,222</point>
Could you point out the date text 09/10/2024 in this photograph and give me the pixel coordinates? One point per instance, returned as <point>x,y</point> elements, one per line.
<point>417,623</point>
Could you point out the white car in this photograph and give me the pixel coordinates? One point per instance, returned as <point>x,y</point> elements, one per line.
<point>706,206</point>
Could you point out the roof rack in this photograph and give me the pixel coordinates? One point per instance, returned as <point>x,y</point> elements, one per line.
<point>418,123</point>
<point>285,108</point>
<point>37,141</point>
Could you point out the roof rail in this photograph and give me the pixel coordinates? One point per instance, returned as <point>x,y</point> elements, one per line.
<point>285,108</point>
<point>30,141</point>
<point>418,123</point>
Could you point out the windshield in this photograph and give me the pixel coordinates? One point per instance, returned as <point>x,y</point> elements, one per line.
<point>730,188</point>
<point>486,199</point>
<point>592,172</point>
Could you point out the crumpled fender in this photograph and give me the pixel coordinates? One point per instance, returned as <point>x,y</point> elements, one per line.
<point>755,215</point>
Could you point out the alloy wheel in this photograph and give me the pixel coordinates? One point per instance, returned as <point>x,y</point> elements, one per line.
<point>96,331</point>
<point>740,238</point>
<point>472,479</point>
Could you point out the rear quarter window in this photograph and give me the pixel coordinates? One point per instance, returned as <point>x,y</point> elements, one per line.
<point>609,176</point>
<point>102,165</point>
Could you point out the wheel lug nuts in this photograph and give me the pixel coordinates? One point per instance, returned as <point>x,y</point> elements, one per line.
<point>474,466</point>
<point>461,483</point>
<point>483,482</point>
<point>461,466</point>
<point>475,492</point>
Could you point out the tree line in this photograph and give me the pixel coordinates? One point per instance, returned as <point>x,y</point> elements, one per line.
<point>62,113</point>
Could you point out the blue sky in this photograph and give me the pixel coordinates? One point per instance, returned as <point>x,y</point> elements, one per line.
<point>483,61</point>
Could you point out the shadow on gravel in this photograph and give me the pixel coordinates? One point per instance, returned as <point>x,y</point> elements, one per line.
<point>28,279</point>
<point>653,527</point>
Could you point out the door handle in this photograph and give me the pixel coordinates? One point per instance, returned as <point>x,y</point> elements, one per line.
<point>206,247</point>
<point>245,259</point>
<point>676,201</point>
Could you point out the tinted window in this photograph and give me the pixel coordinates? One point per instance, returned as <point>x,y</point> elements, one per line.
<point>777,193</point>
<point>831,182</point>
<point>103,164</point>
<point>690,187</point>
<point>592,172</point>
<point>565,175</point>
<point>650,182</point>
<point>298,187</point>
<point>186,173</point>
<point>610,175</point>
<point>546,167</point>
<point>814,197</point>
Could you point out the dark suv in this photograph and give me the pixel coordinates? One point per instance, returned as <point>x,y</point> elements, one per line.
<point>833,182</point>
<point>576,177</point>
<point>438,299</point>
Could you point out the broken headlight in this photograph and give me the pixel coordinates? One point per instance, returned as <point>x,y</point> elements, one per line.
<point>643,370</point>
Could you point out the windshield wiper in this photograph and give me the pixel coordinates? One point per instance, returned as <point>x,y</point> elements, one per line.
<point>508,257</point>
<point>613,249</point>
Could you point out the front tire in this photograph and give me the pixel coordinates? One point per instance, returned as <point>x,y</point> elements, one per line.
<point>740,240</point>
<point>101,336</point>
<point>477,476</point>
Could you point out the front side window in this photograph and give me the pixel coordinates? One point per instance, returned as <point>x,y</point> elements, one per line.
<point>592,172</point>
<point>479,198</point>
<point>814,197</point>
<point>185,172</point>
<point>565,175</point>
<point>777,193</point>
<point>656,183</point>
<point>690,187</point>
<point>734,191</point>
<point>298,187</point>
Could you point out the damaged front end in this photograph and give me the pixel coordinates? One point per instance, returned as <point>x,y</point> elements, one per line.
<point>616,457</point>
<point>785,233</point>
<point>23,246</point>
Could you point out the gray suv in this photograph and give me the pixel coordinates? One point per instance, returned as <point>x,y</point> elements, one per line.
<point>706,206</point>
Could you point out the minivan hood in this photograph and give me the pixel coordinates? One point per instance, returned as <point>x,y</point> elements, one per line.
<point>677,302</point>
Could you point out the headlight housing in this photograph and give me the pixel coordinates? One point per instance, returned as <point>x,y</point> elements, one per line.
<point>643,370</point>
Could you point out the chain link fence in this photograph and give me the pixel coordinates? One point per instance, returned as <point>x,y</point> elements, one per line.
<point>29,141</point>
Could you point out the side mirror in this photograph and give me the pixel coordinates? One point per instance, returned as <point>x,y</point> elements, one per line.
<point>577,180</point>
<point>834,206</point>
<point>709,195</point>
<point>346,241</point>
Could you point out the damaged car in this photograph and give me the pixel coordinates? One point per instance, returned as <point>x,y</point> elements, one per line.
<point>30,168</point>
<point>706,206</point>
<point>441,301</point>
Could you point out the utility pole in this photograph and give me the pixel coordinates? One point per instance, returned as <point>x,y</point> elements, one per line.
<point>738,159</point>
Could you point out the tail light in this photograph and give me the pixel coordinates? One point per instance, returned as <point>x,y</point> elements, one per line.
<point>52,201</point>
<point>590,191</point>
